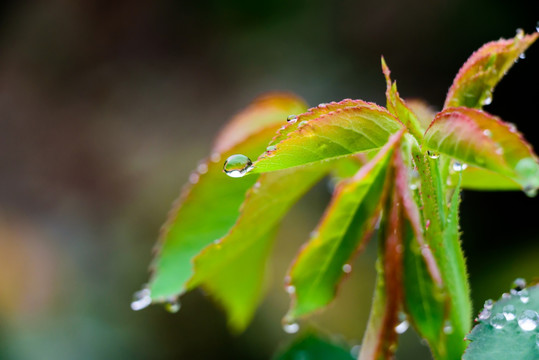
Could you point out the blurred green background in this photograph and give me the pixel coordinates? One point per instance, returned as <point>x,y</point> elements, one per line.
<point>106,107</point>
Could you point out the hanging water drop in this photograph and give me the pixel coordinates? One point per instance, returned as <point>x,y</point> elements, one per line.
<point>172,305</point>
<point>271,148</point>
<point>458,166</point>
<point>403,324</point>
<point>530,191</point>
<point>520,34</point>
<point>522,56</point>
<point>509,312</point>
<point>448,328</point>
<point>524,296</point>
<point>518,284</point>
<point>432,155</point>
<point>498,321</point>
<point>488,304</point>
<point>528,320</point>
<point>291,328</point>
<point>347,268</point>
<point>292,118</point>
<point>141,299</point>
<point>484,314</point>
<point>488,100</point>
<point>237,165</point>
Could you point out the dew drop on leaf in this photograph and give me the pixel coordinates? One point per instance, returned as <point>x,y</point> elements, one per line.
<point>509,312</point>
<point>530,191</point>
<point>528,320</point>
<point>448,328</point>
<point>237,165</point>
<point>403,324</point>
<point>488,304</point>
<point>458,166</point>
<point>487,133</point>
<point>291,328</point>
<point>518,284</point>
<point>271,148</point>
<point>432,155</point>
<point>291,289</point>
<point>498,321</point>
<point>302,123</point>
<point>524,296</point>
<point>522,56</point>
<point>484,314</point>
<point>347,268</point>
<point>172,305</point>
<point>141,299</point>
<point>292,118</point>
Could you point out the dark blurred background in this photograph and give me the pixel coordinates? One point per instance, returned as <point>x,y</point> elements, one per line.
<point>106,107</point>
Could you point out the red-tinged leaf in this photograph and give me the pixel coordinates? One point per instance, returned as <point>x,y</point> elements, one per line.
<point>270,109</point>
<point>209,206</point>
<point>477,78</point>
<point>397,106</point>
<point>380,339</point>
<point>232,269</point>
<point>477,138</point>
<point>344,229</point>
<point>338,133</point>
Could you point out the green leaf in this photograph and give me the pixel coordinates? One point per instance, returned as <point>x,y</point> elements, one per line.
<point>477,138</point>
<point>397,106</point>
<point>343,230</point>
<point>495,337</point>
<point>477,78</point>
<point>453,266</point>
<point>232,269</point>
<point>334,134</point>
<point>312,347</point>
<point>474,178</point>
<point>209,206</point>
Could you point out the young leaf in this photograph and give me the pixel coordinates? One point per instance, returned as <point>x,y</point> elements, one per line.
<point>344,228</point>
<point>508,330</point>
<point>477,138</point>
<point>397,106</point>
<point>232,269</point>
<point>312,347</point>
<point>338,133</point>
<point>208,208</point>
<point>475,178</point>
<point>477,78</point>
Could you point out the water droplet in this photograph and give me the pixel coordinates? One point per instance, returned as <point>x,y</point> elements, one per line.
<point>512,127</point>
<point>528,320</point>
<point>292,118</point>
<point>217,242</point>
<point>322,105</point>
<point>291,289</point>
<point>237,165</point>
<point>498,321</point>
<point>202,168</point>
<point>506,296</point>
<point>484,314</point>
<point>488,100</point>
<point>499,150</point>
<point>432,155</point>
<point>271,148</point>
<point>448,328</point>
<point>518,284</point>
<point>172,305</point>
<point>403,324</point>
<point>487,133</point>
<point>302,123</point>
<point>488,304</point>
<point>524,296</point>
<point>522,56</point>
<point>215,157</point>
<point>291,328</point>
<point>520,34</point>
<point>354,351</point>
<point>141,299</point>
<point>193,178</point>
<point>457,166</point>
<point>509,312</point>
<point>530,191</point>
<point>347,268</point>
